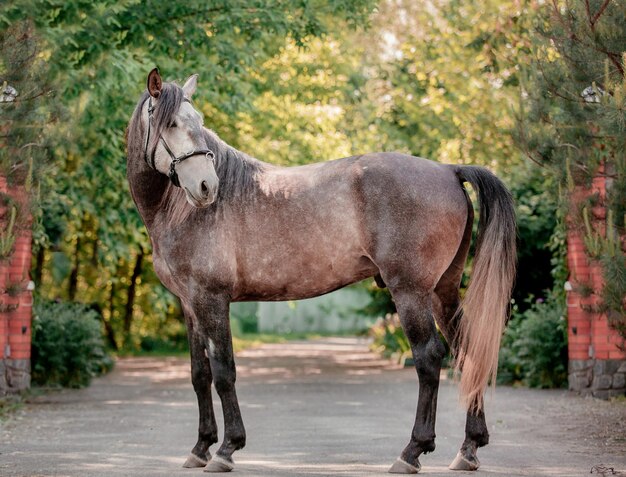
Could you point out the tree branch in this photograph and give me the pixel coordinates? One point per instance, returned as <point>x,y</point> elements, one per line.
<point>599,13</point>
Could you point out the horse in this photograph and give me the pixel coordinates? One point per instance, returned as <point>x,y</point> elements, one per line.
<point>226,227</point>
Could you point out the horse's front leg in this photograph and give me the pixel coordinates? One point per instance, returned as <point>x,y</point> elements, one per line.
<point>212,323</point>
<point>201,378</point>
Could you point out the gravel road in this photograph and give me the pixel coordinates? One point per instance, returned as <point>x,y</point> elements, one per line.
<point>323,407</point>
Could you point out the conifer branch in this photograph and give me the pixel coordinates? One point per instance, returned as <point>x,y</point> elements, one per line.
<point>599,13</point>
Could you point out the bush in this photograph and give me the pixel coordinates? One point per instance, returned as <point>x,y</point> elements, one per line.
<point>534,347</point>
<point>67,345</point>
<point>173,339</point>
<point>389,339</point>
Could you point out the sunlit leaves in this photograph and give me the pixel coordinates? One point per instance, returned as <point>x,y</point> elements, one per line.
<point>97,55</point>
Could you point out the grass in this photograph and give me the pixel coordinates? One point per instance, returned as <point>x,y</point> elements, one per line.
<point>240,342</point>
<point>253,340</point>
<point>10,404</point>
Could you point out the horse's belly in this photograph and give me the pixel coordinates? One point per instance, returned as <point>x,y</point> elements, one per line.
<point>296,279</point>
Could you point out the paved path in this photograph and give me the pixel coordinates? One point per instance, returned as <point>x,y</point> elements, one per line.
<point>320,408</point>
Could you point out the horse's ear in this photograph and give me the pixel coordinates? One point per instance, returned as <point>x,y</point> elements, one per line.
<point>154,83</point>
<point>190,86</point>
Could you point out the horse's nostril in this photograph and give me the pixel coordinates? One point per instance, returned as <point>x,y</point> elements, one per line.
<point>204,188</point>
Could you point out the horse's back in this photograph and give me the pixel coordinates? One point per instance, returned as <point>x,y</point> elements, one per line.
<point>344,220</point>
<point>424,180</point>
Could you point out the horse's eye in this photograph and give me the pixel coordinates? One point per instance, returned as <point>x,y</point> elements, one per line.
<point>174,125</point>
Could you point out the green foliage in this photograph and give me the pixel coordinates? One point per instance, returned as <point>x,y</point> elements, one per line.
<point>593,240</point>
<point>534,347</point>
<point>445,89</point>
<point>535,192</point>
<point>7,237</point>
<point>25,110</point>
<point>380,303</point>
<point>285,81</point>
<point>87,66</point>
<point>573,121</point>
<point>448,93</point>
<point>614,291</point>
<point>172,339</point>
<point>9,405</point>
<point>388,337</point>
<point>67,346</point>
<point>243,316</point>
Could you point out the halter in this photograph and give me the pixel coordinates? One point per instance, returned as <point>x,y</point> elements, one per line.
<point>210,155</point>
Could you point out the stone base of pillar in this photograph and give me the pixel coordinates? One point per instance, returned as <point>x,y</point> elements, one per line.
<point>14,375</point>
<point>601,378</point>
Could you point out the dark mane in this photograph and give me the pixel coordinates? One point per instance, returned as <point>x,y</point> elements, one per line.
<point>236,170</point>
<point>166,107</point>
<point>135,132</point>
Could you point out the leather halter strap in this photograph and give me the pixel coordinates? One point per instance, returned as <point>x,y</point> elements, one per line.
<point>149,158</point>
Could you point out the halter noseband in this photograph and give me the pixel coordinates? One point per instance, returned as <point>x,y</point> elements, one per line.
<point>175,160</point>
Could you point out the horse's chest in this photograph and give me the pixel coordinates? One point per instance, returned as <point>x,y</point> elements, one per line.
<point>170,280</point>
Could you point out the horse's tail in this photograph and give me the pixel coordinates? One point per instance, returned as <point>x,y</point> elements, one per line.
<point>485,307</point>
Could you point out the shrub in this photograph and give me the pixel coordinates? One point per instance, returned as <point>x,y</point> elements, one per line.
<point>173,339</point>
<point>67,345</point>
<point>534,347</point>
<point>389,339</point>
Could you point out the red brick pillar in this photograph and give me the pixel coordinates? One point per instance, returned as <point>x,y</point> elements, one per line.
<point>15,297</point>
<point>597,361</point>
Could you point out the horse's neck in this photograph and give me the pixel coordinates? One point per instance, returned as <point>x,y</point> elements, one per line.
<point>148,189</point>
<point>158,203</point>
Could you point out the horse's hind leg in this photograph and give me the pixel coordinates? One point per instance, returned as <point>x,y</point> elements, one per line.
<point>476,435</point>
<point>201,379</point>
<point>415,311</point>
<point>447,296</point>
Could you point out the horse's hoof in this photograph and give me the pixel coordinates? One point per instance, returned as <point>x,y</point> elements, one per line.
<point>460,462</point>
<point>402,467</point>
<point>194,461</point>
<point>219,464</point>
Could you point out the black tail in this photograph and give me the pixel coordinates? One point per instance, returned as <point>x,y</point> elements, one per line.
<point>486,302</point>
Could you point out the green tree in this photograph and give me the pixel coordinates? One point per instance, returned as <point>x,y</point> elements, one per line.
<point>573,121</point>
<point>93,247</point>
<point>442,81</point>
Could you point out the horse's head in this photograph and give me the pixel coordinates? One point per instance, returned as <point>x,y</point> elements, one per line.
<point>175,143</point>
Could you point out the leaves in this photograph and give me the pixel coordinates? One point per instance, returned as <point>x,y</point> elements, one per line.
<point>91,59</point>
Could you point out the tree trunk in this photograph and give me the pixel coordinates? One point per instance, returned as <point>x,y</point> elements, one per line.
<point>110,334</point>
<point>94,253</point>
<point>73,285</point>
<point>130,302</point>
<point>39,261</point>
<point>107,323</point>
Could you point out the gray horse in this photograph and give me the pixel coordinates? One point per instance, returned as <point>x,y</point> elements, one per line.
<point>226,227</point>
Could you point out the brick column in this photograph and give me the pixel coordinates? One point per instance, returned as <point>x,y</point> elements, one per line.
<point>597,361</point>
<point>15,300</point>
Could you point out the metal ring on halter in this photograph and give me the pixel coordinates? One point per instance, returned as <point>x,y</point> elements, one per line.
<point>172,174</point>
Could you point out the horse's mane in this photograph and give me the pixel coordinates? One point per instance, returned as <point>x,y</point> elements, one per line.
<point>236,170</point>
